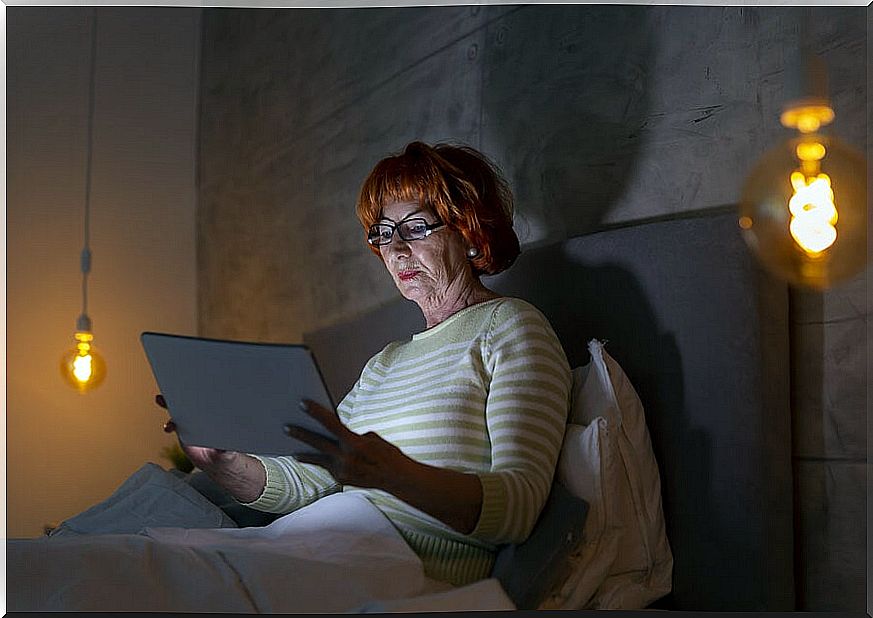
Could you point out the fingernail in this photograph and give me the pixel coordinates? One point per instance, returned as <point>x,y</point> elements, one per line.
<point>303,405</point>
<point>289,429</point>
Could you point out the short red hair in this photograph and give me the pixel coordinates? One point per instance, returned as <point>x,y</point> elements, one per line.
<point>460,186</point>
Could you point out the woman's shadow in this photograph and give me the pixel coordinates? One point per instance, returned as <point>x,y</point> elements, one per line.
<point>584,301</point>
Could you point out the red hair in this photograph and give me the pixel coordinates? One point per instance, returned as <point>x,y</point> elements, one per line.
<point>460,186</point>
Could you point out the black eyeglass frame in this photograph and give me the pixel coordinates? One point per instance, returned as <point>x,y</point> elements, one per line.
<point>429,228</point>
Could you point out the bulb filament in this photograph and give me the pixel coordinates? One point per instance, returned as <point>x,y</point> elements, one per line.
<point>813,212</point>
<point>82,365</point>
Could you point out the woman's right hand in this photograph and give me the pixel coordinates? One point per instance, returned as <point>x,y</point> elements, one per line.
<point>240,474</point>
<point>203,457</point>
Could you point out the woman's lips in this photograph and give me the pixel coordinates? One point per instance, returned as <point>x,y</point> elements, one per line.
<point>407,275</point>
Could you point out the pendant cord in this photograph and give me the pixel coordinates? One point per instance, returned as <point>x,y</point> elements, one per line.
<point>86,249</point>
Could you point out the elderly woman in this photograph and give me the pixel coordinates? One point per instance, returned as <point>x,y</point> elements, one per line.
<point>454,434</point>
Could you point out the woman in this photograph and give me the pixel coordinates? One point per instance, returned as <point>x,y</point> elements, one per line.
<point>454,435</point>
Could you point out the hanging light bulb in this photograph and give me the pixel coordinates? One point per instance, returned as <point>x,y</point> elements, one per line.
<point>803,209</point>
<point>82,366</point>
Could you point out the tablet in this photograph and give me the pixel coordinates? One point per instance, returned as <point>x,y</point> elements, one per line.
<point>235,395</point>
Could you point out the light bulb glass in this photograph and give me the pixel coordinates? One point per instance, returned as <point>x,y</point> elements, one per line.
<point>803,211</point>
<point>82,366</point>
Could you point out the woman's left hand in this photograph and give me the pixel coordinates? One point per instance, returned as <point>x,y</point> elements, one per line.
<point>365,460</point>
<point>370,461</point>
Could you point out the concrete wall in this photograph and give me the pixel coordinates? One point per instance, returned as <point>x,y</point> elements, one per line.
<point>598,114</point>
<point>66,451</point>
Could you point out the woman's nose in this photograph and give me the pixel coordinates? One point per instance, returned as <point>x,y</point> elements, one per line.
<point>397,247</point>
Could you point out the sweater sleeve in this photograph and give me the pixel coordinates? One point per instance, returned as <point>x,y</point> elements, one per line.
<point>526,414</point>
<point>292,485</point>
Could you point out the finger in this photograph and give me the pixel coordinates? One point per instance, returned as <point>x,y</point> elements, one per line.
<point>170,426</point>
<point>326,417</point>
<point>320,443</point>
<point>159,399</point>
<point>314,458</point>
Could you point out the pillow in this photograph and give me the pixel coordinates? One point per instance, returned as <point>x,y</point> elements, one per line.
<point>151,497</point>
<point>623,560</point>
<point>653,558</point>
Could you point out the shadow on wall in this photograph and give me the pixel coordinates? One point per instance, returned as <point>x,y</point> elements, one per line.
<point>608,303</point>
<point>682,319</point>
<point>565,101</point>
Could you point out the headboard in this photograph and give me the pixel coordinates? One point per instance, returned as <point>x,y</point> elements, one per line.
<point>703,335</point>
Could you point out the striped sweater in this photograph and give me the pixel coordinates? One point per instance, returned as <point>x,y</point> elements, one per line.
<point>484,392</point>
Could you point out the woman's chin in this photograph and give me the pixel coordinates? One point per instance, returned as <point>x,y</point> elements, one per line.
<point>408,293</point>
<point>410,290</point>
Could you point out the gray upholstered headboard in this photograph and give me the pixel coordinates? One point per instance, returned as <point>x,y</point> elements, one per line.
<point>703,335</point>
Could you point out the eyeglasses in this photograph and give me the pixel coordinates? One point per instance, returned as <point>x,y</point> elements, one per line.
<point>408,229</point>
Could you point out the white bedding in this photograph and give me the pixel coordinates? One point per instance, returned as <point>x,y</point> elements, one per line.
<point>339,554</point>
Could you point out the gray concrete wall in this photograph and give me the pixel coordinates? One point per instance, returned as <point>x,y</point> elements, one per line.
<point>66,451</point>
<point>598,114</point>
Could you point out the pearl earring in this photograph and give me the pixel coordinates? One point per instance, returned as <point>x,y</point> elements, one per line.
<point>472,252</point>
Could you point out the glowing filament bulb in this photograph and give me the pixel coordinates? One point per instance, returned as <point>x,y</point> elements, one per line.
<point>813,212</point>
<point>82,366</point>
<point>82,363</point>
<point>788,209</point>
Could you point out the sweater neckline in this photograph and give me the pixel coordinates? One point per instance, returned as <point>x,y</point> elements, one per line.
<point>449,320</point>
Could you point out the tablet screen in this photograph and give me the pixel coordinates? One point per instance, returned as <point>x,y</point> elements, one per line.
<point>234,395</point>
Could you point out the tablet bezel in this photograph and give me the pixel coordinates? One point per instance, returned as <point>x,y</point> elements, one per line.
<point>188,415</point>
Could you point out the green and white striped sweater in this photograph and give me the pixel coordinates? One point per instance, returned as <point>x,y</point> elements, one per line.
<point>484,392</point>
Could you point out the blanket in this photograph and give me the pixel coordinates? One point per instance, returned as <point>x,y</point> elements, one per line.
<point>339,554</point>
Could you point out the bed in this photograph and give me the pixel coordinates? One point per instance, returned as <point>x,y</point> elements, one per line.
<point>701,333</point>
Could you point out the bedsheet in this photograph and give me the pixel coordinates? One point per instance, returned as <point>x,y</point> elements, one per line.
<point>338,555</point>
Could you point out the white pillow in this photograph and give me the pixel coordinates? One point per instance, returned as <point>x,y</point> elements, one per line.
<point>624,560</point>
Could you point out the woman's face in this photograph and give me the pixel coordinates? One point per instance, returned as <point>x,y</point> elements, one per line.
<point>427,270</point>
